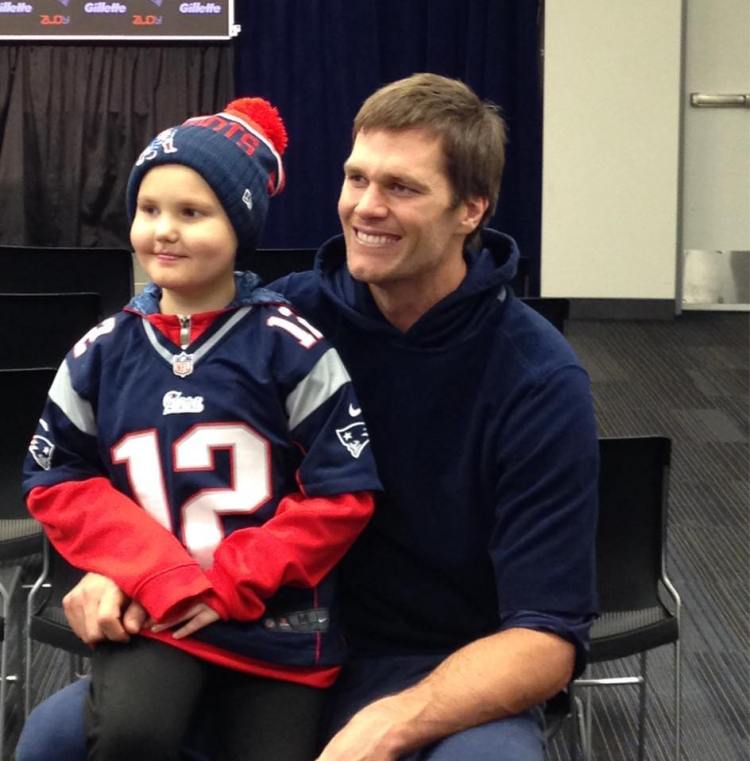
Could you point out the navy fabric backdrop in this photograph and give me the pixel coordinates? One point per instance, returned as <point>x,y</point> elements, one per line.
<point>318,59</point>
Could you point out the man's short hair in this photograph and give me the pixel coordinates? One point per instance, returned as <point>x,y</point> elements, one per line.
<point>471,131</point>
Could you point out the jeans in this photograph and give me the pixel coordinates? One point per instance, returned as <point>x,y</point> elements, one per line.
<point>55,730</point>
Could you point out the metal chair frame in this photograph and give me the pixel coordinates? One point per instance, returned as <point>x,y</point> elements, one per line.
<point>670,621</point>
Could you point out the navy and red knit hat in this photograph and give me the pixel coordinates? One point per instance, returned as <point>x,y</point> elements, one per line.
<point>237,152</point>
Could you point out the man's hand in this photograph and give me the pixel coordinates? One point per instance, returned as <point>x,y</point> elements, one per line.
<point>97,609</point>
<point>370,735</point>
<point>196,617</point>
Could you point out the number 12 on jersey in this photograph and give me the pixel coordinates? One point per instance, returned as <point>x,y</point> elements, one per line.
<point>200,515</point>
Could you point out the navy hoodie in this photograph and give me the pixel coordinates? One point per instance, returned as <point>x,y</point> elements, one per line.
<point>482,425</point>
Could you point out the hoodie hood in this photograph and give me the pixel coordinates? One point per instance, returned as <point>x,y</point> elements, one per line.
<point>461,312</point>
<point>248,292</point>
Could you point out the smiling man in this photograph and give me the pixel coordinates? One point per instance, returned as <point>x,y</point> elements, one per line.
<point>468,598</point>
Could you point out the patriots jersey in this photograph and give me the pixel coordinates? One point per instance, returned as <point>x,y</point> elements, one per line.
<point>233,445</point>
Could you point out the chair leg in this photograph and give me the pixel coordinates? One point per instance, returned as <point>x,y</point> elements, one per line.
<point>5,595</point>
<point>642,708</point>
<point>579,730</point>
<point>588,719</point>
<point>677,702</point>
<point>28,644</point>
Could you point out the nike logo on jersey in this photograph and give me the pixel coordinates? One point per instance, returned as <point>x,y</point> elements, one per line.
<point>175,403</point>
<point>354,437</point>
<point>354,411</point>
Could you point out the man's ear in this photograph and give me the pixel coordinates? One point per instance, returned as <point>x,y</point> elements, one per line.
<point>473,210</point>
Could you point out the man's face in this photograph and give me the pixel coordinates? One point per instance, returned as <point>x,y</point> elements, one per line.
<point>403,231</point>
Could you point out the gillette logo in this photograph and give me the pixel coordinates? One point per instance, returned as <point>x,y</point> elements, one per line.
<point>200,8</point>
<point>105,8</point>
<point>16,8</point>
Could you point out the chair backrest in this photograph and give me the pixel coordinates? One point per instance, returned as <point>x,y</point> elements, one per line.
<point>37,329</point>
<point>272,263</point>
<point>633,489</point>
<point>106,271</point>
<point>522,279</point>
<point>555,309</point>
<point>22,397</point>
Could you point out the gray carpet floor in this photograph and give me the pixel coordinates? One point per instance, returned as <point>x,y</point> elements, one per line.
<point>687,379</point>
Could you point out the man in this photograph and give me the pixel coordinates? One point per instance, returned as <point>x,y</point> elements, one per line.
<point>469,597</point>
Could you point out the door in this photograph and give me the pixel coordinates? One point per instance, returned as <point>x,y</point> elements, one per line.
<point>714,272</point>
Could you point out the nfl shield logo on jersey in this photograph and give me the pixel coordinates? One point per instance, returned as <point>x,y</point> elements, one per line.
<point>354,437</point>
<point>41,450</point>
<point>182,364</point>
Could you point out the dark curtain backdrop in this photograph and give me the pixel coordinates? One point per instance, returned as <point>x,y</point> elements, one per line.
<point>318,59</point>
<point>73,119</point>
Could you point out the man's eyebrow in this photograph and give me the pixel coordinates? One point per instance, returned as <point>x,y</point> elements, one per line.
<point>401,178</point>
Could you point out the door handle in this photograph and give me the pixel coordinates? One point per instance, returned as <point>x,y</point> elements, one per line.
<point>718,100</point>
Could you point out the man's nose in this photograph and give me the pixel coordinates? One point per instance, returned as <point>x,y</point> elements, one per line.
<point>372,202</point>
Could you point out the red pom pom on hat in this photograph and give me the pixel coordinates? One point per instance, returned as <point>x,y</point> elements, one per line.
<point>264,116</point>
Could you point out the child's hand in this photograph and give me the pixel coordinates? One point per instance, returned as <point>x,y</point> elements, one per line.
<point>194,618</point>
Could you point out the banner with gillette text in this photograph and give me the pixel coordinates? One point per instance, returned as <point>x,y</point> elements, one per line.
<point>127,19</point>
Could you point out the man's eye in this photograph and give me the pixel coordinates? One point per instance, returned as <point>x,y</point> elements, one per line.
<point>402,189</point>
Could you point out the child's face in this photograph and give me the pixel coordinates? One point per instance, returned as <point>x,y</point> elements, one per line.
<point>184,240</point>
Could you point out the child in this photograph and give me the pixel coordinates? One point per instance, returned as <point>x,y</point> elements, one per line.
<point>204,449</point>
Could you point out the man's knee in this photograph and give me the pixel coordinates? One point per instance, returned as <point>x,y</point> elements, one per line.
<point>54,730</point>
<point>517,738</point>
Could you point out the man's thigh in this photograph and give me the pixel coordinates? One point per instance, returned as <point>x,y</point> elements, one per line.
<point>56,731</point>
<point>517,738</point>
<point>363,680</point>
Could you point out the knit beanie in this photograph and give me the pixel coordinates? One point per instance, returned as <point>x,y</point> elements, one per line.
<point>237,152</point>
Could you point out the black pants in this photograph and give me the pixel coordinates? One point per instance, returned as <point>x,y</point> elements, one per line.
<point>145,695</point>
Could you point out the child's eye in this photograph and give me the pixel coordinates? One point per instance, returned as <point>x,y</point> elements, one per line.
<point>191,213</point>
<point>148,209</point>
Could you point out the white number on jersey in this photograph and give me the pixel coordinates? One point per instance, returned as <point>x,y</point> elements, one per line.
<point>104,327</point>
<point>250,466</point>
<point>306,335</point>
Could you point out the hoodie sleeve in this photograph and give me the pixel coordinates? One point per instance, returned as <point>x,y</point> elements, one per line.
<point>94,526</point>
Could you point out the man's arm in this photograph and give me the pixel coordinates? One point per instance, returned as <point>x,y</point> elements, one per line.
<point>490,678</point>
<point>97,609</point>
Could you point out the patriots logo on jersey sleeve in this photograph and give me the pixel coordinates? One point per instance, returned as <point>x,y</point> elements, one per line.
<point>42,449</point>
<point>354,437</point>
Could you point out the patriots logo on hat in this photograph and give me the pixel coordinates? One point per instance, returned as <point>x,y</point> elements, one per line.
<point>354,437</point>
<point>164,141</point>
<point>247,198</point>
<point>41,449</point>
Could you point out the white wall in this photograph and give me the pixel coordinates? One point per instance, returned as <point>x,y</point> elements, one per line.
<point>611,148</point>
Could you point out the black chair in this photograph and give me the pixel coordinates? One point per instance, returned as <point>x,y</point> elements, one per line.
<point>106,271</point>
<point>272,263</point>
<point>522,279</point>
<point>45,618</point>
<point>37,329</point>
<point>22,395</point>
<point>565,710</point>
<point>554,309</point>
<point>640,608</point>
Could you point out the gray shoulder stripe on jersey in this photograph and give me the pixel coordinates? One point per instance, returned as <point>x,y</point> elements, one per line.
<point>197,355</point>
<point>321,383</point>
<point>76,408</point>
